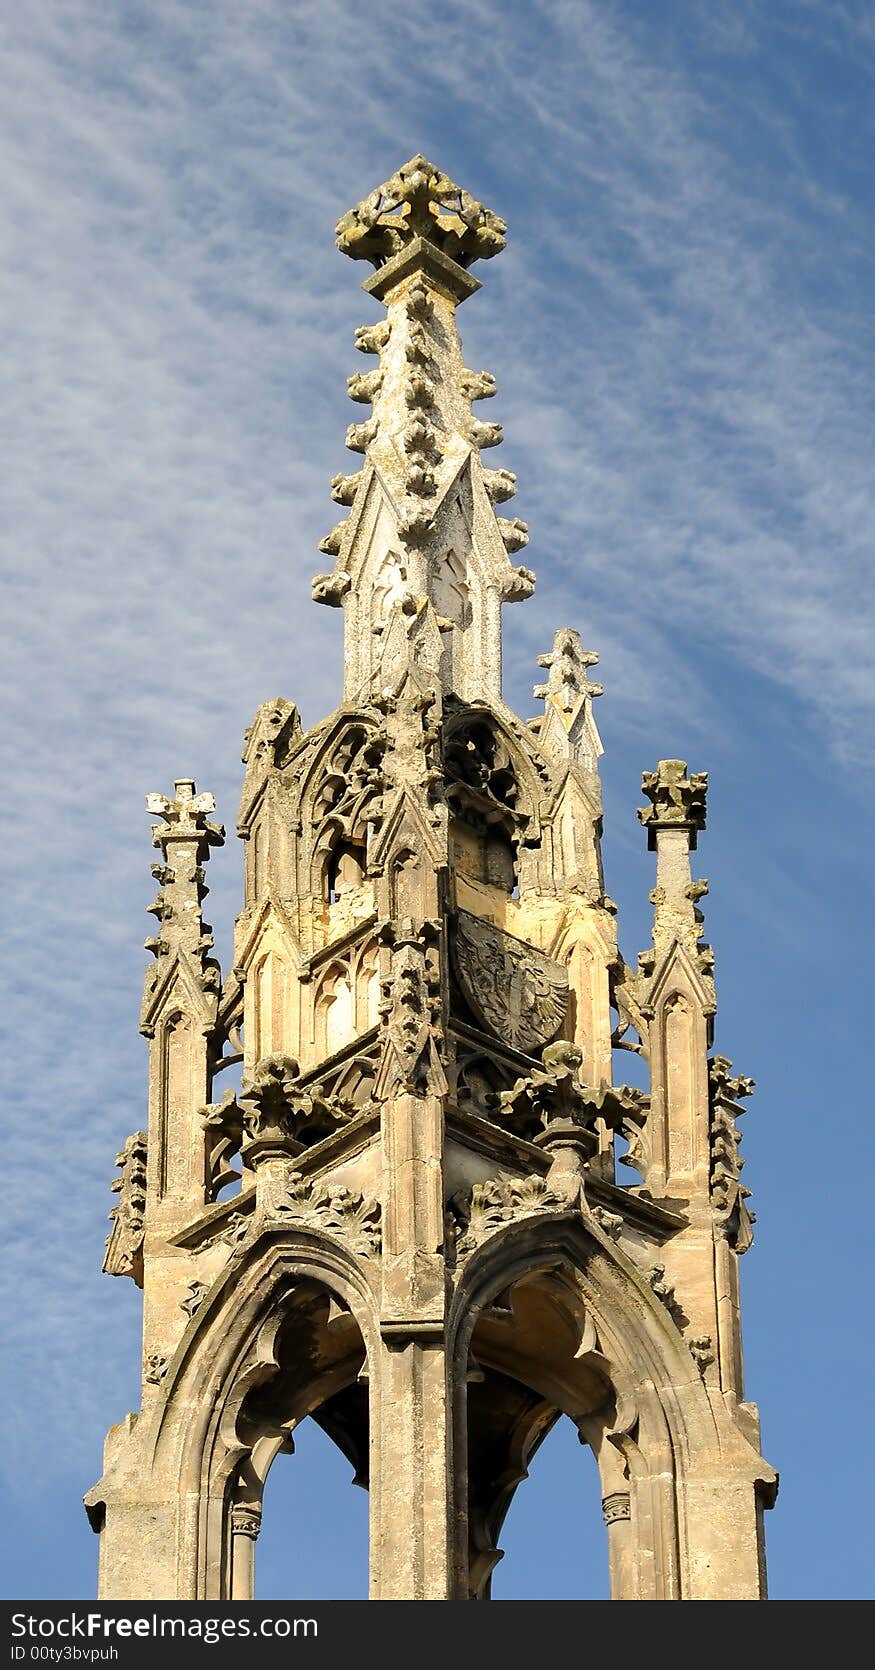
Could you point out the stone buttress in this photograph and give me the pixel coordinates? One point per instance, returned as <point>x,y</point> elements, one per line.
<point>409,1221</point>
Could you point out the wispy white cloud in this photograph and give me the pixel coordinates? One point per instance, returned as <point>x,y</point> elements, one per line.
<point>685,365</point>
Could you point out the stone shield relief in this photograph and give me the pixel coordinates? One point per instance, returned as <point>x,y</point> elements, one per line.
<point>514,990</point>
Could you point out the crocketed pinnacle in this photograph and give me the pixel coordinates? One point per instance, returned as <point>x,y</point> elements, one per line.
<point>422,526</point>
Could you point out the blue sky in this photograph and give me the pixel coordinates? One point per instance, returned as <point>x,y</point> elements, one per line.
<point>682,332</point>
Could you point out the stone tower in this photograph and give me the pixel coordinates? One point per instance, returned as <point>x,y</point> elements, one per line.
<point>426,1245</point>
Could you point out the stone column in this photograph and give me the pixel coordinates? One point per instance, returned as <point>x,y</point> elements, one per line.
<point>245,1526</point>
<point>410,1539</point>
<point>617,1514</point>
<point>412,1413</point>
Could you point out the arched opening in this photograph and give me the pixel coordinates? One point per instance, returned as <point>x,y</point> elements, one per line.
<point>489,816</point>
<point>554,1540</point>
<point>313,1543</point>
<point>308,1372</point>
<point>533,1361</point>
<point>334,1010</point>
<point>346,869</point>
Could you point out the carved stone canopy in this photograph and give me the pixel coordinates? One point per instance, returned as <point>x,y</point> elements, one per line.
<point>513,989</point>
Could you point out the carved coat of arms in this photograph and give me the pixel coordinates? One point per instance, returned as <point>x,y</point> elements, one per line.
<point>514,990</point>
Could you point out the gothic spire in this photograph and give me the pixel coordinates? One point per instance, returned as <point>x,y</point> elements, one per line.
<point>421,526</point>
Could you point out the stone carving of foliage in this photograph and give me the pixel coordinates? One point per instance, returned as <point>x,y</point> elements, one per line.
<point>420,202</point>
<point>197,1292</point>
<point>484,1208</point>
<point>354,1217</point>
<point>674,797</point>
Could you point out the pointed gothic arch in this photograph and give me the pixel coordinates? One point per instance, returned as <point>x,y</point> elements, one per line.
<point>236,1390</point>
<point>553,1307</point>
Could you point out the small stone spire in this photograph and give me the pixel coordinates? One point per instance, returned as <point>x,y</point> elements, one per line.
<point>421,523</point>
<point>184,836</point>
<point>568,729</point>
<point>673,820</point>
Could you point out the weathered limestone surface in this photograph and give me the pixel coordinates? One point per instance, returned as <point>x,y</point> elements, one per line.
<point>407,1222</point>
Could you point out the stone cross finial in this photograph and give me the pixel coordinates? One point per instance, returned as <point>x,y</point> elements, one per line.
<point>567,678</point>
<point>420,202</point>
<point>677,801</point>
<point>184,815</point>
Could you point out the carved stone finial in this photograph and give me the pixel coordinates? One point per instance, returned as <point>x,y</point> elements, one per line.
<point>568,678</point>
<point>422,506</point>
<point>673,820</point>
<point>184,816</point>
<point>555,1096</point>
<point>420,202</point>
<point>676,800</point>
